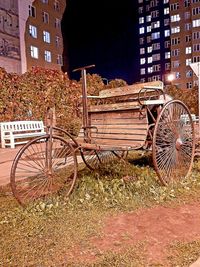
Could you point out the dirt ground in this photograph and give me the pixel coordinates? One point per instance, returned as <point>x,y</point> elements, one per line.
<point>157,228</point>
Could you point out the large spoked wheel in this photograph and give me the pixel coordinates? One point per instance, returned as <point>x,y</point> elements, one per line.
<point>42,167</point>
<point>173,142</point>
<point>95,159</point>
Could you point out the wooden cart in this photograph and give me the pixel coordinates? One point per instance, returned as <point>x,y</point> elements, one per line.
<point>139,116</point>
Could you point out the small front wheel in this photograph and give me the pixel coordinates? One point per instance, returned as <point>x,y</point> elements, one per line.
<point>173,142</point>
<point>42,167</point>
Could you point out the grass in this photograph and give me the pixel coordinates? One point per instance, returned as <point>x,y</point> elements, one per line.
<point>55,232</point>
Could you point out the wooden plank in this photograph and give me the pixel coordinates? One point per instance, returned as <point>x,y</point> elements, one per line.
<point>133,136</point>
<point>129,89</point>
<point>117,130</point>
<point>115,106</point>
<point>122,114</point>
<point>121,143</point>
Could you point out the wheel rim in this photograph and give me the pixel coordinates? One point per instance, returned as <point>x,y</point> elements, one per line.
<point>31,174</point>
<point>173,142</point>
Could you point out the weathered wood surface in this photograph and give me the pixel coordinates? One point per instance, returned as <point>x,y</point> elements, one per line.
<point>130,89</point>
<point>127,128</point>
<point>115,106</point>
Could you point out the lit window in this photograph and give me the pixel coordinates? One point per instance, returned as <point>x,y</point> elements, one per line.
<point>155,35</point>
<point>142,51</point>
<point>167,33</point>
<point>142,71</point>
<point>141,20</point>
<point>166,10</point>
<point>33,31</point>
<point>175,18</point>
<point>196,23</point>
<point>44,1</point>
<point>149,49</point>
<point>165,1</point>
<point>150,69</point>
<point>46,37</point>
<point>148,28</point>
<point>188,61</point>
<point>47,56</point>
<point>167,55</point>
<point>155,24</point>
<point>175,29</point>
<point>142,61</point>
<point>188,50</point>
<point>148,18</point>
<point>149,60</point>
<point>45,17</point>
<point>34,51</point>
<point>141,30</point>
<point>177,75</point>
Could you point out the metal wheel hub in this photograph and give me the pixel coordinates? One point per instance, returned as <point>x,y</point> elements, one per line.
<point>179,143</point>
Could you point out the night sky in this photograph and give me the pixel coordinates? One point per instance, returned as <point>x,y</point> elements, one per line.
<point>102,33</point>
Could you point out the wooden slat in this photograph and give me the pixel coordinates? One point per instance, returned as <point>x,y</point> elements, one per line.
<point>125,115</point>
<point>129,89</point>
<point>122,143</point>
<point>115,106</point>
<point>117,130</point>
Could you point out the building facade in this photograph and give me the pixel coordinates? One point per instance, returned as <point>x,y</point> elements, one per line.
<point>185,40</point>
<point>10,57</point>
<point>31,34</point>
<point>154,39</point>
<point>173,28</point>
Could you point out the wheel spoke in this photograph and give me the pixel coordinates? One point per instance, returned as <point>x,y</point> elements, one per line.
<point>173,142</point>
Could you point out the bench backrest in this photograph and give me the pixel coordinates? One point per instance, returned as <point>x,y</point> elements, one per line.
<point>19,126</point>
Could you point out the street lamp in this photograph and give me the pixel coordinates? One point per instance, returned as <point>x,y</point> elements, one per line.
<point>170,77</point>
<point>196,69</point>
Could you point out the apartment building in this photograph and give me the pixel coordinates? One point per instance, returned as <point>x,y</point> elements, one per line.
<point>173,27</point>
<point>185,41</point>
<point>154,39</point>
<point>31,34</point>
<point>10,58</point>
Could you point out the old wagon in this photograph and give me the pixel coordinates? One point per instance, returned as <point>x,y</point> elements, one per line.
<point>138,116</point>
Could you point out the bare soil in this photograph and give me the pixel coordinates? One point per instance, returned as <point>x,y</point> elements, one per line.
<point>157,228</point>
